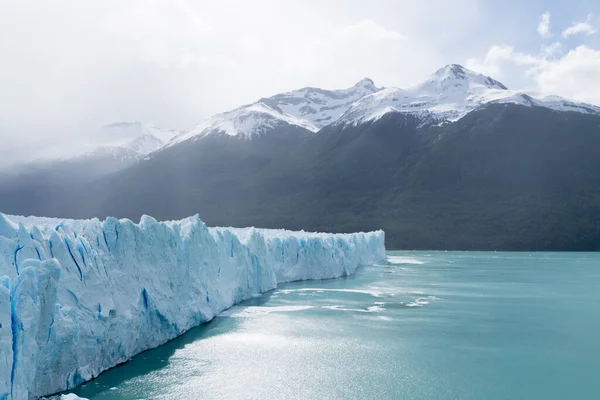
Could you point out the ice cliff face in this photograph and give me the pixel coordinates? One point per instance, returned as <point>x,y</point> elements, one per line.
<point>78,297</point>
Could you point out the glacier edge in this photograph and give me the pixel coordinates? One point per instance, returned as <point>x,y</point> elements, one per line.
<point>80,296</point>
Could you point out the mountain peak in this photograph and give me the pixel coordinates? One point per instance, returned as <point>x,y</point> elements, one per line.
<point>447,95</point>
<point>365,83</point>
<point>454,69</point>
<point>309,108</point>
<point>122,132</point>
<point>454,74</point>
<point>145,144</point>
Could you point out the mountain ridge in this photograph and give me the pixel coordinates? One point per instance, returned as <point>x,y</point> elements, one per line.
<point>447,95</point>
<point>309,108</point>
<point>506,175</point>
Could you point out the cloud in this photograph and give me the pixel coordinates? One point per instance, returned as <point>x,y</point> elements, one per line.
<point>70,67</point>
<point>364,48</point>
<point>574,75</point>
<point>370,29</point>
<point>544,25</point>
<point>552,49</point>
<point>496,58</point>
<point>584,27</point>
<point>173,34</point>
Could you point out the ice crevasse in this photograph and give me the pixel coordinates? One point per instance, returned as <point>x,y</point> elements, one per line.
<point>80,296</point>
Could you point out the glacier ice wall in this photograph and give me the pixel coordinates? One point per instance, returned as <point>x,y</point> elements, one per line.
<point>78,297</point>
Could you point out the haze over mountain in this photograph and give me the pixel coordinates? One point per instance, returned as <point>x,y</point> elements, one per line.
<point>457,161</point>
<point>124,144</point>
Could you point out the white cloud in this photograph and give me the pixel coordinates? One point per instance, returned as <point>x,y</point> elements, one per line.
<point>358,45</point>
<point>369,29</point>
<point>584,27</point>
<point>575,75</point>
<point>491,63</point>
<point>68,67</point>
<point>544,25</point>
<point>552,49</point>
<point>496,59</point>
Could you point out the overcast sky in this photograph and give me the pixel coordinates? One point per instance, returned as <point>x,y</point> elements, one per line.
<point>69,67</point>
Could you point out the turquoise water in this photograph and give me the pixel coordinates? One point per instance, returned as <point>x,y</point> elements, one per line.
<point>432,325</point>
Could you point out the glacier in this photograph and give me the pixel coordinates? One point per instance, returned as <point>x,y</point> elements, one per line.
<point>80,296</point>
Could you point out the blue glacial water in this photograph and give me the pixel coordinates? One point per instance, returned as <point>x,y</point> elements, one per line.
<point>428,325</point>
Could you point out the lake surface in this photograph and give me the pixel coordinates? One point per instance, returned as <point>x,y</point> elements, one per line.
<point>428,325</point>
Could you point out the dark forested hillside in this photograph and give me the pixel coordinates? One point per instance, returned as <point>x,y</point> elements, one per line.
<point>505,177</point>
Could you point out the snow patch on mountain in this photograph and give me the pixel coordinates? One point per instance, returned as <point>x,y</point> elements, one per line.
<point>128,132</point>
<point>245,122</point>
<point>149,139</point>
<point>448,95</point>
<point>308,108</point>
<point>320,107</point>
<point>116,153</point>
<point>127,142</point>
<point>145,144</point>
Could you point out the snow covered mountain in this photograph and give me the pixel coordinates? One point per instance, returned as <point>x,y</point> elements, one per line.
<point>457,150</point>
<point>145,144</point>
<point>130,131</point>
<point>246,121</point>
<point>133,150</point>
<point>320,107</point>
<point>308,108</point>
<point>130,142</point>
<point>448,95</point>
<point>104,159</point>
<point>58,175</point>
<point>134,140</point>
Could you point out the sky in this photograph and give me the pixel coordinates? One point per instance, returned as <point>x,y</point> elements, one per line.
<point>67,68</point>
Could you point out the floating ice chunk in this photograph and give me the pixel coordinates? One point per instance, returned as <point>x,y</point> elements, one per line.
<point>71,396</point>
<point>422,301</point>
<point>68,396</point>
<point>253,311</point>
<point>403,260</point>
<point>373,293</point>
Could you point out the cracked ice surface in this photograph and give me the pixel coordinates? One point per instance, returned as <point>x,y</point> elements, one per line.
<point>80,296</point>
